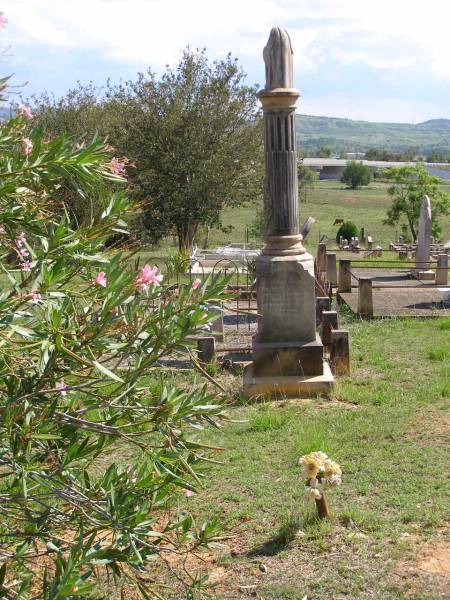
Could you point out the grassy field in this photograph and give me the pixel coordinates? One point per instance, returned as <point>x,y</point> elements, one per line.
<point>387,425</point>
<point>366,207</point>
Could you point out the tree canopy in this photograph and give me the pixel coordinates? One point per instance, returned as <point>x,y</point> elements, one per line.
<point>356,174</point>
<point>195,139</point>
<point>193,136</point>
<point>409,185</point>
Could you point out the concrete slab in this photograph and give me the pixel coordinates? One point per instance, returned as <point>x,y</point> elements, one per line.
<point>286,386</point>
<point>422,301</point>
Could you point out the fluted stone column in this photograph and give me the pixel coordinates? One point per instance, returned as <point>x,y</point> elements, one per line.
<point>286,345</point>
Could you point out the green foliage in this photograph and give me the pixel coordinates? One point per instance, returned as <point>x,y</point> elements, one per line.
<point>257,226</point>
<point>196,140</point>
<point>82,115</point>
<point>324,152</point>
<point>81,330</point>
<point>408,187</point>
<point>388,155</point>
<point>306,181</point>
<point>347,230</point>
<point>356,174</point>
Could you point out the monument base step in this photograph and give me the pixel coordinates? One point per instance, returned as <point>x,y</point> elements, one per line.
<point>281,387</point>
<point>428,275</point>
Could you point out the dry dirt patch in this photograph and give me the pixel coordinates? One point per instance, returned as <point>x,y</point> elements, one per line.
<point>427,567</point>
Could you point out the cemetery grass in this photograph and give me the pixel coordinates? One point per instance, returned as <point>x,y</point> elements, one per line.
<point>387,425</point>
<point>329,200</point>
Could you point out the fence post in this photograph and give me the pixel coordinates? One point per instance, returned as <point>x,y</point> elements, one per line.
<point>340,352</point>
<point>321,258</point>
<point>329,322</point>
<point>322,303</point>
<point>365,297</point>
<point>442,269</point>
<point>345,278</point>
<point>331,268</point>
<point>206,349</point>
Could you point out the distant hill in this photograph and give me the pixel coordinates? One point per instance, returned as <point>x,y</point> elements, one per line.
<point>358,136</point>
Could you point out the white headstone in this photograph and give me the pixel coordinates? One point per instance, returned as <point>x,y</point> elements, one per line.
<point>424,237</point>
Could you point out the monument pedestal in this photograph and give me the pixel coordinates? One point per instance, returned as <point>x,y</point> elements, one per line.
<point>288,356</point>
<point>287,386</point>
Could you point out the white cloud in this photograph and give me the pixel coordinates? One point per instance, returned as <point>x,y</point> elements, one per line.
<point>389,36</point>
<point>154,31</point>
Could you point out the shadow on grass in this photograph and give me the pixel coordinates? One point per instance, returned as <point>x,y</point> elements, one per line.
<point>286,533</point>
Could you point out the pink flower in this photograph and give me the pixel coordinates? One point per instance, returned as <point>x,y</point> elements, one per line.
<point>101,279</point>
<point>27,146</point>
<point>3,20</point>
<point>196,283</point>
<point>34,296</point>
<point>62,387</point>
<point>117,166</point>
<point>188,493</point>
<point>26,265</point>
<point>2,230</point>
<point>148,275</point>
<point>25,111</point>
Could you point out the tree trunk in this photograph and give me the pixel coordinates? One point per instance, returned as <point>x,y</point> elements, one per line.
<point>186,235</point>
<point>411,227</point>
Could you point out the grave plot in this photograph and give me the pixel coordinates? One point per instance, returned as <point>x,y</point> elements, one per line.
<point>385,287</point>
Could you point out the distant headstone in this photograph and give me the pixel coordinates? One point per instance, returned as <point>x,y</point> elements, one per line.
<point>422,270</point>
<point>424,237</point>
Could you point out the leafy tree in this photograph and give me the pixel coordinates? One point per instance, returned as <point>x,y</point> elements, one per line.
<point>324,152</point>
<point>195,137</point>
<point>306,180</point>
<point>438,157</point>
<point>356,174</point>
<point>347,230</point>
<point>83,115</point>
<point>80,112</point>
<point>82,332</point>
<point>408,187</point>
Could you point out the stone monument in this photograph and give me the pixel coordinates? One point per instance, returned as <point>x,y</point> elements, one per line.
<point>422,270</point>
<point>287,352</point>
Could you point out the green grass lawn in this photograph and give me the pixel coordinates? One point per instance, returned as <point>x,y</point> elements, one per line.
<point>329,200</point>
<point>387,425</point>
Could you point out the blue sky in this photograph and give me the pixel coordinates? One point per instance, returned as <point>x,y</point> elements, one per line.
<point>382,61</point>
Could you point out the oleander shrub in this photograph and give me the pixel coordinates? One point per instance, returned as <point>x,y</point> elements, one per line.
<point>82,331</point>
